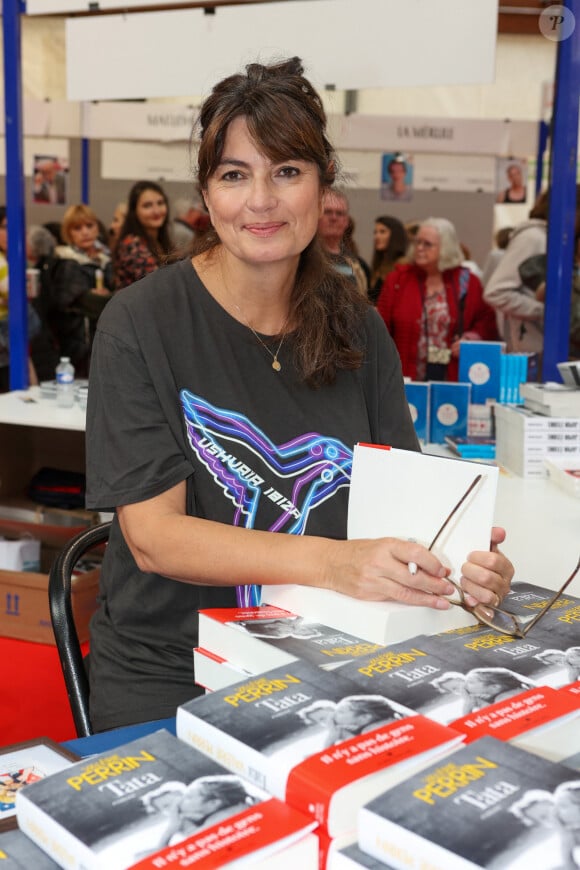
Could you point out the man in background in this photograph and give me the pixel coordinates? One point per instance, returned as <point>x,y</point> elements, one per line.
<point>332,227</point>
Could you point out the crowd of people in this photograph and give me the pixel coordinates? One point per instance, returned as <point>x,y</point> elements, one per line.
<point>79,263</point>
<point>421,279</point>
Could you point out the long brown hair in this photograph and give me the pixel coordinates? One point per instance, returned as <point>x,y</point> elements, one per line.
<point>384,261</point>
<point>163,246</point>
<point>286,120</point>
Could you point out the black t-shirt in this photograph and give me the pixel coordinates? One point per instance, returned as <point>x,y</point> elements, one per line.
<point>180,390</point>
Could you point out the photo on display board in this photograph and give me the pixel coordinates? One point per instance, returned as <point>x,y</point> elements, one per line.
<point>50,179</point>
<point>396,177</point>
<point>511,180</point>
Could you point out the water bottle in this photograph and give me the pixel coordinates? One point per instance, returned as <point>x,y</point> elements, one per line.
<point>65,383</point>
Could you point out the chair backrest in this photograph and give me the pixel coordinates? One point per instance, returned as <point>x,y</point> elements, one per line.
<point>63,624</point>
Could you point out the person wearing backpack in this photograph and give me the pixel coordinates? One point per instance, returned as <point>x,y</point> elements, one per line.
<point>433,303</point>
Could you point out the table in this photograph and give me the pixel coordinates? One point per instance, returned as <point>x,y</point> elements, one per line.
<point>106,740</point>
<point>28,408</point>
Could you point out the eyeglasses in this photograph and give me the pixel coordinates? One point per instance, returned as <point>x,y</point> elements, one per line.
<point>423,243</point>
<point>495,617</point>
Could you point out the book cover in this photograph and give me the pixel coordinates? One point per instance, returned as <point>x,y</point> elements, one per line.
<point>419,401</point>
<point>544,721</point>
<point>480,366</point>
<point>261,638</point>
<point>18,852</point>
<point>411,673</point>
<point>488,805</point>
<point>116,808</point>
<point>312,738</point>
<point>268,835</point>
<point>449,410</point>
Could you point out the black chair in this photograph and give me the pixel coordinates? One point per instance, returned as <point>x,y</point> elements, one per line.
<point>63,624</point>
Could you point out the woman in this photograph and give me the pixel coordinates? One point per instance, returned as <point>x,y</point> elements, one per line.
<point>144,239</point>
<point>222,390</point>
<point>390,246</point>
<point>520,309</point>
<point>433,303</point>
<point>81,282</point>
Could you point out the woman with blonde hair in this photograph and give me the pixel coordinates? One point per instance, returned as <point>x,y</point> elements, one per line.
<point>432,303</point>
<point>80,285</point>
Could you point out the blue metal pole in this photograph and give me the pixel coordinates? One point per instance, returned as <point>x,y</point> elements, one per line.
<point>18,331</point>
<point>562,206</point>
<point>85,171</point>
<point>543,133</point>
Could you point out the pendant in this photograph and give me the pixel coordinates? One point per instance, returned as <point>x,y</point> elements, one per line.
<point>276,365</point>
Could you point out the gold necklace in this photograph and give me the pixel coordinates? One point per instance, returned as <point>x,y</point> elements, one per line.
<point>276,365</point>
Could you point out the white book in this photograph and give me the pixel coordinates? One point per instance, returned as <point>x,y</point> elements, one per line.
<point>403,494</point>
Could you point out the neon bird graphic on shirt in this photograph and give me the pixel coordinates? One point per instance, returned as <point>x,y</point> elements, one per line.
<point>317,466</point>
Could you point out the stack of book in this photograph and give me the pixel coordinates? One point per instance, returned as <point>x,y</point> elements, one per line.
<point>525,438</point>
<point>314,739</point>
<point>245,641</point>
<point>552,400</point>
<point>488,805</point>
<point>157,802</point>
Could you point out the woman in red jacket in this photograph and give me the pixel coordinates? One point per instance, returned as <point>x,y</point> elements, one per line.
<point>433,303</point>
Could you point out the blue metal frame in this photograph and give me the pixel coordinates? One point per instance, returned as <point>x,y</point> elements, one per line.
<point>18,326</point>
<point>543,136</point>
<point>85,184</point>
<point>563,172</point>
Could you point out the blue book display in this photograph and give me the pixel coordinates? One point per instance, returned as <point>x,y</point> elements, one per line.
<point>449,410</point>
<point>480,366</point>
<point>418,398</point>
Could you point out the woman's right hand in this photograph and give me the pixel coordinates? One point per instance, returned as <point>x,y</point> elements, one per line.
<point>383,569</point>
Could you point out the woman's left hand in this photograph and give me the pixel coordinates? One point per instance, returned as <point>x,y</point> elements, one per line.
<point>487,574</point>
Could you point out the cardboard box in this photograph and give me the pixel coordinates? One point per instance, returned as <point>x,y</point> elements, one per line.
<point>24,611</point>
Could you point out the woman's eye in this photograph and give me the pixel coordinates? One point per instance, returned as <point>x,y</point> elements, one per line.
<point>289,171</point>
<point>232,175</point>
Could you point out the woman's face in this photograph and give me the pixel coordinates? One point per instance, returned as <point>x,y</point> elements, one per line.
<point>84,235</point>
<point>263,212</point>
<point>427,248</point>
<point>382,237</point>
<point>151,211</point>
